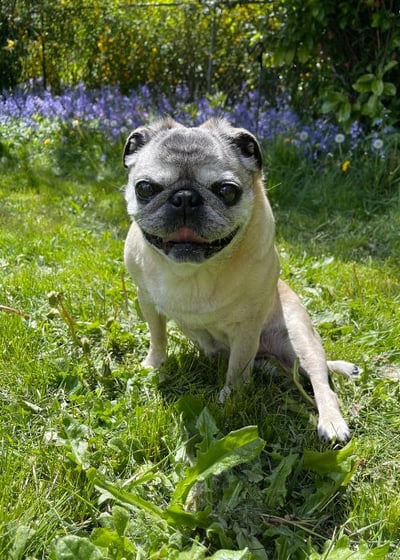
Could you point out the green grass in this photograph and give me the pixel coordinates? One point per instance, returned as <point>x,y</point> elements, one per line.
<point>81,421</point>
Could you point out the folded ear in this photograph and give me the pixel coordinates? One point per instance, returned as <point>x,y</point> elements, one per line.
<point>245,143</point>
<point>142,135</point>
<point>248,146</point>
<point>138,138</point>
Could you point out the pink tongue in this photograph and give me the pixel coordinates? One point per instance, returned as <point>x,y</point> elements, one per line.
<point>185,235</point>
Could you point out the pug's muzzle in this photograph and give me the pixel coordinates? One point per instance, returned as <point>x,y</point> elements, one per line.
<point>185,244</point>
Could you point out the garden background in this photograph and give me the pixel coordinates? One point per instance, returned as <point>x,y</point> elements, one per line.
<point>93,448</point>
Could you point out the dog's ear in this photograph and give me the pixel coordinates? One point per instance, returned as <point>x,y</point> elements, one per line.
<point>244,142</point>
<point>142,135</point>
<point>135,141</point>
<point>248,146</point>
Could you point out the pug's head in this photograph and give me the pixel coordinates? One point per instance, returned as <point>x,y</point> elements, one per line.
<point>191,190</point>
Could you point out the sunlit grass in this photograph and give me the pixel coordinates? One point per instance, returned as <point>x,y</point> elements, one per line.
<point>73,395</point>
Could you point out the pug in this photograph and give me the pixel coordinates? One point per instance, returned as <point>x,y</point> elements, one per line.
<point>201,251</point>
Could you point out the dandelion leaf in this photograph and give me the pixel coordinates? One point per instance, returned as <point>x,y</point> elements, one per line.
<point>237,447</point>
<point>276,491</point>
<point>73,547</point>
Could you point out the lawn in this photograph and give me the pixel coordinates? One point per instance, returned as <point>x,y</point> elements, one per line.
<point>100,458</point>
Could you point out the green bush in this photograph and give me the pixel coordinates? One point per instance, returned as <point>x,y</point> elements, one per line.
<point>338,58</point>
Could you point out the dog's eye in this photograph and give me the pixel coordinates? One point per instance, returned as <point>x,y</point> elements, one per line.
<point>229,193</point>
<point>146,190</point>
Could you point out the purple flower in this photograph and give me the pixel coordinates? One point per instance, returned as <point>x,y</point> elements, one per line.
<point>109,112</point>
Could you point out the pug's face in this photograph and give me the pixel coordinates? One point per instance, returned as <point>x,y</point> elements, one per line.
<point>190,190</point>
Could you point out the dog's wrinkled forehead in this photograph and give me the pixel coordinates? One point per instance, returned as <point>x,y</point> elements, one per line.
<point>190,146</point>
<point>187,152</point>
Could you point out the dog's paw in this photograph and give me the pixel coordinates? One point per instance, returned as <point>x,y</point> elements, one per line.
<point>154,360</point>
<point>333,427</point>
<point>348,369</point>
<point>224,394</point>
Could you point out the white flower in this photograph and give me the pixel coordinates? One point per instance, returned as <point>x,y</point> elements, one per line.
<point>303,136</point>
<point>339,138</point>
<point>377,144</point>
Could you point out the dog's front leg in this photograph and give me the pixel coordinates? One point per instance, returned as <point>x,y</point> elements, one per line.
<point>243,349</point>
<point>158,332</point>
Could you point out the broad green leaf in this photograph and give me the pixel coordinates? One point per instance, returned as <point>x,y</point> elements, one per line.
<point>232,555</point>
<point>332,462</point>
<point>276,492</point>
<point>22,535</point>
<point>364,553</point>
<point>377,86</point>
<point>207,429</point>
<point>284,56</point>
<point>197,552</point>
<point>175,515</point>
<point>128,498</point>
<point>329,105</point>
<point>389,89</point>
<point>218,529</point>
<point>106,538</point>
<point>121,519</point>
<point>391,64</point>
<point>333,99</point>
<point>289,55</point>
<point>80,452</point>
<point>72,547</point>
<point>303,53</point>
<point>237,447</point>
<point>362,88</point>
<point>191,409</point>
<point>366,78</point>
<point>337,468</point>
<point>344,112</point>
<point>364,83</point>
<point>370,108</point>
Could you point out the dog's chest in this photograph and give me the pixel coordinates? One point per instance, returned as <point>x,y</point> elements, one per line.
<point>184,301</point>
<point>197,312</point>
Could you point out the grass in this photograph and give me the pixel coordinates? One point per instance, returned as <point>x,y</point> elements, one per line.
<point>94,450</point>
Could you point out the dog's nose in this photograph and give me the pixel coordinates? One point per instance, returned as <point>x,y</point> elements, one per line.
<point>186,199</point>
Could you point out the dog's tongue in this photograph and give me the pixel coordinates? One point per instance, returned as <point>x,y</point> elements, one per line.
<point>185,235</point>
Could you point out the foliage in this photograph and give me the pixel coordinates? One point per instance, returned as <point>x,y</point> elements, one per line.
<point>332,58</point>
<point>134,44</point>
<point>343,53</point>
<point>11,52</point>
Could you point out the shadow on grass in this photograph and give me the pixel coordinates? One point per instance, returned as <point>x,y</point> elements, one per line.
<point>271,400</point>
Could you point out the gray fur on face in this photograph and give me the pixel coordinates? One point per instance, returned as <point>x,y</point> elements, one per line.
<point>209,165</point>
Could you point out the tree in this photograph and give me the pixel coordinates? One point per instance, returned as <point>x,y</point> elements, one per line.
<point>338,58</point>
